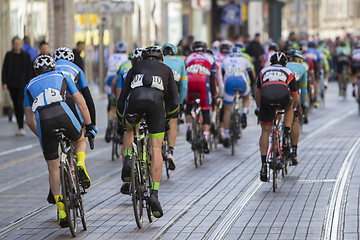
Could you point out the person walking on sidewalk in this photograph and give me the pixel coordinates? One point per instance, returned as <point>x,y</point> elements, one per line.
<point>16,73</point>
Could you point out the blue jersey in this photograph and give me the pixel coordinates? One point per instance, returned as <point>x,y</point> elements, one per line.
<point>177,66</point>
<point>122,76</point>
<point>314,54</point>
<point>73,71</point>
<point>300,74</point>
<point>48,88</point>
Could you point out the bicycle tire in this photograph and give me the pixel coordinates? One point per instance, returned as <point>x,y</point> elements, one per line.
<point>148,181</point>
<point>136,192</point>
<point>68,197</point>
<point>80,206</point>
<point>194,142</point>
<point>283,161</point>
<point>275,172</point>
<point>117,148</point>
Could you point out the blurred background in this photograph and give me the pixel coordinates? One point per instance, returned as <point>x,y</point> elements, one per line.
<point>155,22</point>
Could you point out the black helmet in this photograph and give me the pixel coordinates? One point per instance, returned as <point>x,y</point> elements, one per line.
<point>199,46</point>
<point>153,53</point>
<point>278,58</point>
<point>225,46</point>
<point>64,53</point>
<point>312,44</point>
<point>43,64</point>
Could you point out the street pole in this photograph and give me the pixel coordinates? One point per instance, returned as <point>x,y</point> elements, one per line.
<point>101,55</point>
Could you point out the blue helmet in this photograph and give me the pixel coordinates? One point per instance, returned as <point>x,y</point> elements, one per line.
<point>169,49</point>
<point>293,53</point>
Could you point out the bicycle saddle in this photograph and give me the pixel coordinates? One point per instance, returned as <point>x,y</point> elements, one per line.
<point>132,118</point>
<point>58,131</point>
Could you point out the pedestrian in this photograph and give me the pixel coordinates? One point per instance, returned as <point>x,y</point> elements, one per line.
<point>29,49</point>
<point>78,60</point>
<point>44,48</point>
<point>16,73</point>
<point>256,51</point>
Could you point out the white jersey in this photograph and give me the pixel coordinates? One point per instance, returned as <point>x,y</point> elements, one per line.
<point>356,55</point>
<point>114,63</point>
<point>236,66</point>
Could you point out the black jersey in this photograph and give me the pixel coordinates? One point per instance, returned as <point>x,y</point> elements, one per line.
<point>151,74</point>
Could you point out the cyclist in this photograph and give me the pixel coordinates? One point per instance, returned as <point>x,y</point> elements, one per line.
<point>236,69</point>
<point>342,56</point>
<point>224,51</point>
<point>45,111</point>
<point>294,64</point>
<point>201,70</point>
<point>178,67</point>
<point>355,66</point>
<point>149,85</point>
<point>248,57</point>
<point>322,48</point>
<point>113,65</point>
<point>314,54</point>
<point>273,86</point>
<point>272,50</point>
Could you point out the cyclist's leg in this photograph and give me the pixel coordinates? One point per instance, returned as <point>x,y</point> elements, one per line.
<point>353,79</point>
<point>339,76</point>
<point>230,84</point>
<point>246,101</point>
<point>172,134</point>
<point>192,85</point>
<point>295,133</point>
<point>205,102</point>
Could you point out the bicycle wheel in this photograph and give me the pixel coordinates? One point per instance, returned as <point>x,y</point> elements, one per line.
<point>68,197</point>
<point>136,192</point>
<point>194,142</point>
<point>80,207</point>
<point>117,146</point>
<point>274,162</point>
<point>148,181</point>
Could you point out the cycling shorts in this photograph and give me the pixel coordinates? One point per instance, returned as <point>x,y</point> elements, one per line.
<point>199,85</point>
<point>273,94</point>
<point>355,67</point>
<point>50,117</point>
<point>149,101</point>
<point>340,65</point>
<point>235,82</point>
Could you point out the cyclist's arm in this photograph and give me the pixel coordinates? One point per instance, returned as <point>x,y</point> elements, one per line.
<point>123,95</point>
<point>82,107</point>
<point>294,91</point>
<point>172,99</point>
<point>90,103</point>
<point>258,92</point>
<point>212,80</point>
<point>30,119</point>
<point>220,82</point>
<point>183,84</point>
<point>303,88</point>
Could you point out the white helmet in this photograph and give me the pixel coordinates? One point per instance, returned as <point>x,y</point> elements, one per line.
<point>43,64</point>
<point>121,47</point>
<point>64,53</point>
<point>235,51</point>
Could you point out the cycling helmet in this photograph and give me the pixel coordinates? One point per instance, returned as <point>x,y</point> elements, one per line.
<point>120,47</point>
<point>278,58</point>
<point>293,53</point>
<point>312,44</point>
<point>225,46</point>
<point>322,44</point>
<point>343,43</point>
<point>169,49</point>
<point>235,52</point>
<point>153,53</point>
<point>43,64</point>
<point>216,44</point>
<point>199,46</point>
<point>241,45</point>
<point>137,54</point>
<point>273,46</point>
<point>64,53</point>
<point>303,46</point>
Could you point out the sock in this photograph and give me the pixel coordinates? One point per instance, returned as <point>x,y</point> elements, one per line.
<point>294,149</point>
<point>263,159</point>
<point>245,110</point>
<point>188,126</point>
<point>171,150</point>
<point>155,185</point>
<point>59,204</point>
<point>81,156</point>
<point>127,152</point>
<point>206,135</point>
<point>227,133</point>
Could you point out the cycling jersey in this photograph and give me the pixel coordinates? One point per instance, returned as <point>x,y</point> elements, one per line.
<point>343,55</point>
<point>178,67</point>
<point>235,69</point>
<point>148,85</point>
<point>113,65</point>
<point>45,94</point>
<point>301,78</point>
<point>78,76</point>
<point>273,83</point>
<point>201,69</point>
<point>219,57</point>
<point>122,76</point>
<point>126,64</point>
<point>355,61</point>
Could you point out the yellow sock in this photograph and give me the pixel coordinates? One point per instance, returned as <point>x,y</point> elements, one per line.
<point>81,156</point>
<point>59,204</point>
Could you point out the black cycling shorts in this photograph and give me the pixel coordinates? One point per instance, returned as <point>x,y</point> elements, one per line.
<point>355,68</point>
<point>273,94</point>
<point>48,118</point>
<point>149,101</point>
<point>340,65</point>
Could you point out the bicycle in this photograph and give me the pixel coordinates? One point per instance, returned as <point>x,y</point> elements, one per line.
<point>196,133</point>
<point>116,140</point>
<point>140,181</point>
<point>164,153</point>
<point>235,130</point>
<point>275,158</point>
<point>344,80</point>
<point>69,182</point>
